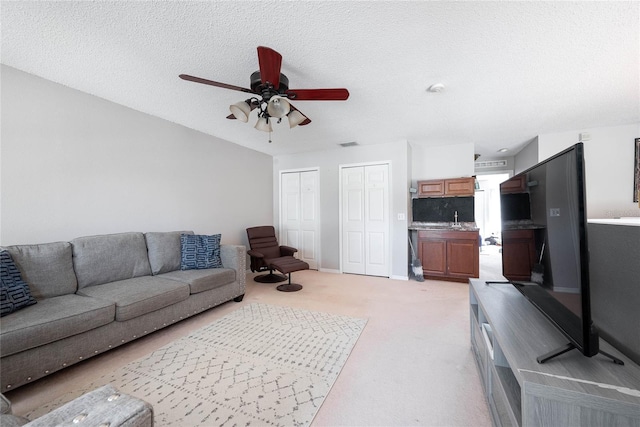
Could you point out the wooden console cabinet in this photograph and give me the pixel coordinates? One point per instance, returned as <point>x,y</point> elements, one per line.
<point>447,187</point>
<point>508,333</point>
<point>449,254</point>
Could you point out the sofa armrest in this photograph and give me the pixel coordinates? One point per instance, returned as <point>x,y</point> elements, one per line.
<point>103,406</point>
<point>235,256</point>
<point>5,405</point>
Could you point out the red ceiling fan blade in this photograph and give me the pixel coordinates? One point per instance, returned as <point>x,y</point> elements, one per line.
<point>306,121</point>
<point>270,63</point>
<point>318,94</point>
<point>212,83</point>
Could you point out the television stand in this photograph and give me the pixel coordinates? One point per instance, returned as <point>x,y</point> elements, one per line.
<point>507,334</point>
<point>569,347</point>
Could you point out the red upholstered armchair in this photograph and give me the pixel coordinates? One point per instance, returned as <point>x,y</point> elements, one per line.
<point>264,249</point>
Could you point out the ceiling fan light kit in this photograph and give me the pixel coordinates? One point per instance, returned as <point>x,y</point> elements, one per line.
<point>295,118</point>
<point>264,125</point>
<point>273,94</point>
<point>278,107</point>
<point>241,110</point>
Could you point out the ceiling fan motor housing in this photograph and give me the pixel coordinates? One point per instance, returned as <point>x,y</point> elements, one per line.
<point>256,83</point>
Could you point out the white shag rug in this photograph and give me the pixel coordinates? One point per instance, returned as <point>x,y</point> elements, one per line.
<point>259,365</point>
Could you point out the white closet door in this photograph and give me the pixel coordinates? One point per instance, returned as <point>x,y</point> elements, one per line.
<point>365,220</point>
<point>299,215</point>
<point>309,220</point>
<point>376,214</point>
<point>353,256</point>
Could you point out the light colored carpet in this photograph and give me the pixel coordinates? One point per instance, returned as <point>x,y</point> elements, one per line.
<point>259,365</point>
<point>412,365</point>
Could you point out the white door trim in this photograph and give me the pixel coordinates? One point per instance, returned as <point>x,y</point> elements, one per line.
<point>389,210</point>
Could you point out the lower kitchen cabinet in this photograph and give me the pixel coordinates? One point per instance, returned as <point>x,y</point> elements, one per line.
<point>449,254</point>
<point>520,255</point>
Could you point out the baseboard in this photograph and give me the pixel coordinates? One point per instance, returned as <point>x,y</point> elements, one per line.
<point>329,270</point>
<point>399,277</point>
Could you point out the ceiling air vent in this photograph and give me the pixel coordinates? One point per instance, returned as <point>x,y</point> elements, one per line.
<point>490,164</point>
<point>348,144</point>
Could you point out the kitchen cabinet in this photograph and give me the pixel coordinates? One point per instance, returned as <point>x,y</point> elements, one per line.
<point>519,254</point>
<point>514,185</point>
<point>447,187</point>
<point>431,188</point>
<point>449,254</point>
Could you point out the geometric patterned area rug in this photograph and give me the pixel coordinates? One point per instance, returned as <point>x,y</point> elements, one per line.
<point>259,365</point>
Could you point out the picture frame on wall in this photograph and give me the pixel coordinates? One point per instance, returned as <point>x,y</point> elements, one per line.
<point>636,173</point>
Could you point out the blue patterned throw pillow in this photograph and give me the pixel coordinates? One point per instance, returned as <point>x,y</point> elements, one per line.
<point>199,251</point>
<point>14,292</point>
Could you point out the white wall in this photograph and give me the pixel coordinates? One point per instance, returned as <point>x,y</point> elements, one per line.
<point>443,161</point>
<point>609,156</point>
<point>328,163</point>
<point>75,165</point>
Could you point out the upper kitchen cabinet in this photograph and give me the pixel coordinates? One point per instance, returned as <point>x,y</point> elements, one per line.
<point>514,185</point>
<point>447,187</point>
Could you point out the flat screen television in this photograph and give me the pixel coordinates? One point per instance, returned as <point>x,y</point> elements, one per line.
<point>544,245</point>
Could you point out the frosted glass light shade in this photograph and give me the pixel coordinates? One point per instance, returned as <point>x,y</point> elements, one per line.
<point>264,125</point>
<point>278,107</point>
<point>241,110</point>
<point>295,118</point>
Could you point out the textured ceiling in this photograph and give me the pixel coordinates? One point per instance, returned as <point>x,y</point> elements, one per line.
<point>511,70</point>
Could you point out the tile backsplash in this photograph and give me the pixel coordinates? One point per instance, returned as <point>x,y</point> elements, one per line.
<point>442,209</point>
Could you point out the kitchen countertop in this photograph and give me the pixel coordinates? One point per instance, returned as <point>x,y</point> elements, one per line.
<point>521,225</point>
<point>463,226</point>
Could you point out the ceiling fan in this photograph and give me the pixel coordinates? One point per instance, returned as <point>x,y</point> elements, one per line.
<point>273,95</point>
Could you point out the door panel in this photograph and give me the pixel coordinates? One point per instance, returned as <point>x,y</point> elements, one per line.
<point>460,256</point>
<point>377,219</point>
<point>309,218</point>
<point>299,218</point>
<point>365,220</point>
<point>353,220</point>
<point>309,245</point>
<point>433,255</point>
<point>292,239</point>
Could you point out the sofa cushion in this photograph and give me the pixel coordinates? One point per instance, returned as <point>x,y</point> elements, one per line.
<point>200,251</point>
<point>138,296</point>
<point>203,280</point>
<point>47,268</point>
<point>14,292</point>
<point>52,319</point>
<point>164,250</point>
<point>109,258</point>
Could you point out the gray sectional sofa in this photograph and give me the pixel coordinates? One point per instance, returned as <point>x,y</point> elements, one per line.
<point>96,293</point>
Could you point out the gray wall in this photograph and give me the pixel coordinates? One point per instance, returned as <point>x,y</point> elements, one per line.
<point>328,163</point>
<point>526,157</point>
<point>74,165</point>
